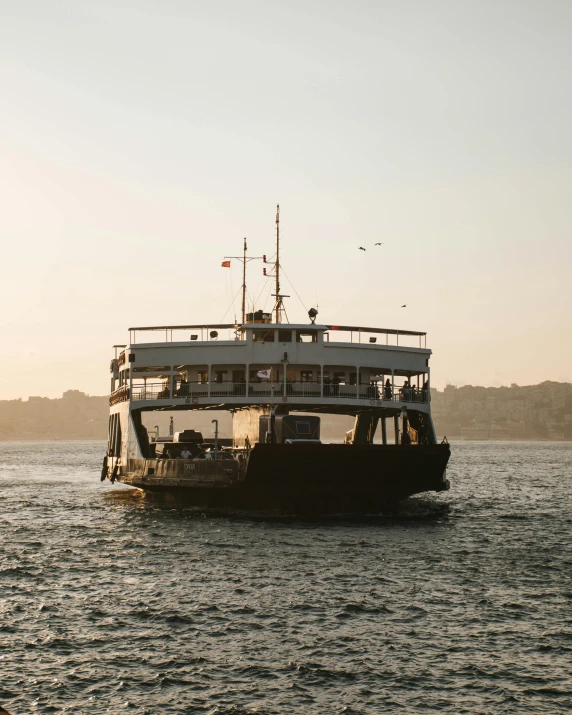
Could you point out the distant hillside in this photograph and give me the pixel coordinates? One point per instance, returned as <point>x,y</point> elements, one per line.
<point>541,411</point>
<point>74,416</point>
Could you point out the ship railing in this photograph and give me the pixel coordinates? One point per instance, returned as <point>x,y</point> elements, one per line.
<point>228,389</point>
<point>410,394</point>
<point>162,391</point>
<point>119,395</point>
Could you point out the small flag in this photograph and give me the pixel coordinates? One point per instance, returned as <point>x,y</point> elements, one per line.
<point>225,264</point>
<point>264,374</point>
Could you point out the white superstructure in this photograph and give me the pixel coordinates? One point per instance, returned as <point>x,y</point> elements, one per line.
<point>309,367</point>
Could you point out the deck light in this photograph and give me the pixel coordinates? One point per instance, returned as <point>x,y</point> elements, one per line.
<point>312,313</point>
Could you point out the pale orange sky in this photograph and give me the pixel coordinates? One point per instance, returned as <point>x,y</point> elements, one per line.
<point>142,140</point>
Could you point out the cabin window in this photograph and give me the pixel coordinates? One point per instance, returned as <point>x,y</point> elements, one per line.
<point>284,336</point>
<point>353,378</point>
<point>303,428</point>
<point>340,377</point>
<point>220,375</point>
<point>263,336</point>
<point>306,375</point>
<point>306,336</point>
<point>203,376</point>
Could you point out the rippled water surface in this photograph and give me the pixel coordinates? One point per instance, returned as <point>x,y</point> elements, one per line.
<point>111,604</point>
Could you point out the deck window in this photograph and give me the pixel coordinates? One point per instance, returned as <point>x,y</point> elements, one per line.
<point>307,336</point>
<point>263,336</point>
<point>284,336</point>
<point>306,375</point>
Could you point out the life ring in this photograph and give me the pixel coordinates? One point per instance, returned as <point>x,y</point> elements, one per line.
<point>284,399</point>
<point>195,400</point>
<point>187,401</point>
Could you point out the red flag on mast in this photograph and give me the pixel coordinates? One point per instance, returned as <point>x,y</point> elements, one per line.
<point>225,264</point>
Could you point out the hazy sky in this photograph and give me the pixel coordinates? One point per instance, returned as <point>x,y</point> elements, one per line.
<point>142,140</point>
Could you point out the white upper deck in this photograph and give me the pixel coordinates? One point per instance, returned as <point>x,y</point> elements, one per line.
<point>400,351</point>
<point>262,360</point>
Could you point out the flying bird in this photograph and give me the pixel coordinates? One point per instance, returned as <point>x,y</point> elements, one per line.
<point>378,244</point>
<point>404,306</point>
<point>361,248</point>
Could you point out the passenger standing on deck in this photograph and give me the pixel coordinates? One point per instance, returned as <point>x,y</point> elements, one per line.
<point>336,385</point>
<point>387,390</point>
<point>185,454</point>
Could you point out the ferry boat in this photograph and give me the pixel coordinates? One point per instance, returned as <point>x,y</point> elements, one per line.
<point>277,379</point>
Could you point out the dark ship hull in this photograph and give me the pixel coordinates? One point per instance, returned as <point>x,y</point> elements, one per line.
<point>300,479</point>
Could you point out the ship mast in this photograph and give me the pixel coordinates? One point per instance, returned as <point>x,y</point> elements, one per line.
<point>277,267</point>
<point>245,260</point>
<point>244,284</point>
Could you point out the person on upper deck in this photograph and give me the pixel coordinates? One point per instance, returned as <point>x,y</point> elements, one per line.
<point>185,454</point>
<point>336,385</point>
<point>387,390</point>
<point>183,388</point>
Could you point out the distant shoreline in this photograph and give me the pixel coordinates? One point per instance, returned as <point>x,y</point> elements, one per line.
<point>339,440</point>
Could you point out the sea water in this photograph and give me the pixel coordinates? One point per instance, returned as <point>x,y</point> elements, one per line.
<point>110,603</point>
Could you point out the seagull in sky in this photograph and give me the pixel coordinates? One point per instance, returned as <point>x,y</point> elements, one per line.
<point>378,244</point>
<point>404,306</point>
<point>361,248</point>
